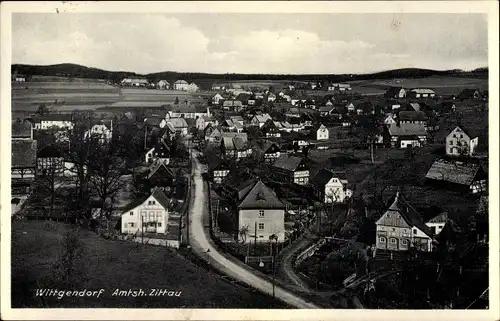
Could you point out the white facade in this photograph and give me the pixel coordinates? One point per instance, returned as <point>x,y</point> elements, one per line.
<point>148,217</point>
<point>150,157</point>
<point>459,143</point>
<point>181,85</point>
<point>267,221</point>
<point>322,133</point>
<point>410,142</point>
<point>47,124</point>
<point>335,191</point>
<point>100,131</point>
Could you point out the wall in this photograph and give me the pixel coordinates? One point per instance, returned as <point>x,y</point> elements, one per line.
<point>158,212</point>
<point>273,219</point>
<point>334,191</point>
<point>301,177</point>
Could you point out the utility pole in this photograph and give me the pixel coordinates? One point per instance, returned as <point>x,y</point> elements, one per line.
<point>142,228</point>
<point>255,237</point>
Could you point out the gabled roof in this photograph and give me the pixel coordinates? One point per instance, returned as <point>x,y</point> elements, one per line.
<point>180,81</point>
<point>468,131</point>
<point>454,171</point>
<point>21,129</point>
<point>23,153</point>
<point>232,103</point>
<point>53,117</point>
<point>178,122</point>
<point>408,213</point>
<point>440,218</point>
<point>50,151</point>
<point>412,116</point>
<point>289,163</point>
<point>159,168</point>
<point>407,129</point>
<point>423,91</point>
<point>157,194</point>
<point>263,118</point>
<point>154,121</point>
<point>244,97</point>
<point>258,196</point>
<point>325,175</point>
<point>415,106</point>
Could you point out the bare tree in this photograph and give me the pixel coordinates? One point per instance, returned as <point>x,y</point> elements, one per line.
<point>69,269</point>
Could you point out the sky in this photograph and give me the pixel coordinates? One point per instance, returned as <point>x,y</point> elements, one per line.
<point>270,43</point>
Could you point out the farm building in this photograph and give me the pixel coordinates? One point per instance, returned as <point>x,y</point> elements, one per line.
<point>291,169</point>
<point>271,129</point>
<point>260,120</point>
<point>61,121</point>
<point>461,142</point>
<point>204,121</point>
<point>232,104</point>
<point>192,87</point>
<point>177,125</point>
<point>401,226</point>
<point>395,93</point>
<point>405,135</point>
<point>187,111</point>
<point>421,93</point>
<point>181,85</point>
<point>219,169</point>
<point>339,87</point>
<point>163,84</point>
<point>260,212</point>
<point>458,174</point>
<point>266,151</point>
<point>412,117</point>
<point>134,82</point>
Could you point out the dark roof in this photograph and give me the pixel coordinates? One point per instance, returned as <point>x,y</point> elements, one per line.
<point>409,214</point>
<point>407,129</point>
<point>157,194</point>
<point>21,129</point>
<point>160,169</point>
<point>454,171</point>
<point>23,153</point>
<point>154,121</point>
<point>440,218</point>
<point>289,163</point>
<point>412,116</point>
<point>258,195</point>
<point>392,91</point>
<point>54,117</point>
<point>325,175</point>
<point>244,97</point>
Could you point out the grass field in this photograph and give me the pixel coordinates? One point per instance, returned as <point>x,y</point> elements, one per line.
<point>111,265</point>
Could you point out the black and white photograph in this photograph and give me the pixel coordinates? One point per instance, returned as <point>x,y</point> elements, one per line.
<point>222,157</point>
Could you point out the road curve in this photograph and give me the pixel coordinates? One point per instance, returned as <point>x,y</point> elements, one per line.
<point>202,245</point>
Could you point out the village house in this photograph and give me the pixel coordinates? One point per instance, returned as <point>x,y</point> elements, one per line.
<point>23,165</point>
<point>232,104</point>
<point>395,93</point>
<point>61,121</point>
<point>330,186</point>
<point>181,85</point>
<point>461,142</point>
<point>469,93</point>
<point>389,120</point>
<point>155,121</point>
<point>18,77</point>
<point>219,98</point>
<point>146,215</point>
<point>327,110</point>
<point>260,120</point>
<point>244,98</point>
<point>413,117</point>
<point>50,161</point>
<point>213,134</point>
<point>235,145</point>
<point>291,169</point>
<point>405,135</point>
<point>350,107</point>
<point>448,106</point>
<point>22,130</point>
<point>160,176</point>
<point>339,87</point>
<point>421,93</point>
<point>267,151</point>
<point>134,82</point>
<point>218,170</point>
<point>402,227</point>
<point>271,97</point>
<point>271,129</point>
<point>260,212</point>
<point>178,125</point>
<point>187,111</point>
<point>232,125</point>
<point>293,112</point>
<point>163,84</point>
<point>159,153</point>
<point>204,121</point>
<point>307,120</point>
<point>216,86</point>
<point>465,175</point>
<point>101,130</point>
<point>321,132</point>
<point>192,87</point>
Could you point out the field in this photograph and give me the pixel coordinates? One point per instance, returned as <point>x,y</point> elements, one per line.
<point>440,84</point>
<point>111,265</point>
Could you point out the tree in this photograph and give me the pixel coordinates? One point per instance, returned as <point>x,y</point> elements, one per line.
<point>69,270</point>
<point>243,232</point>
<point>106,169</point>
<point>43,110</point>
<point>47,182</point>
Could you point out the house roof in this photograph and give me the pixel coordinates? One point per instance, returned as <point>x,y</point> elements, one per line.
<point>407,129</point>
<point>232,103</point>
<point>325,175</point>
<point>454,171</point>
<point>289,163</point>
<point>263,118</point>
<point>23,153</point>
<point>160,167</point>
<point>243,97</point>
<point>392,91</point>
<point>157,194</point>
<point>324,109</point>
<point>257,195</point>
<point>440,218</point>
<point>50,151</point>
<point>409,214</point>
<point>154,121</point>
<point>180,81</point>
<point>53,117</point>
<point>178,122</point>
<point>412,116</point>
<point>423,91</point>
<point>21,129</point>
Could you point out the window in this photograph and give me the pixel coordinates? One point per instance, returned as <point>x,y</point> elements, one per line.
<point>261,213</point>
<point>393,241</point>
<point>405,242</point>
<point>382,239</point>
<point>451,143</point>
<point>415,231</point>
<point>158,224</point>
<point>131,224</point>
<point>461,136</point>
<point>393,229</point>
<point>261,226</point>
<point>451,150</point>
<point>454,136</point>
<point>131,213</point>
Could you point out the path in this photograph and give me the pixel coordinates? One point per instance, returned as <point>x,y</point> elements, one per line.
<point>203,246</point>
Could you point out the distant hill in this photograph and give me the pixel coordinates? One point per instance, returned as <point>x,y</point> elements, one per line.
<point>78,71</point>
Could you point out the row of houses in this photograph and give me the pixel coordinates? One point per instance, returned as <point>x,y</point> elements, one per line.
<point>161,84</point>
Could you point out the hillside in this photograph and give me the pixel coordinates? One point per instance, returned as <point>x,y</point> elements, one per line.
<point>78,71</point>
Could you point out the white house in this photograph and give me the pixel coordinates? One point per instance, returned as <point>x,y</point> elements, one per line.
<point>421,93</point>
<point>203,121</point>
<point>61,121</point>
<point>339,87</point>
<point>331,186</point>
<point>103,131</point>
<point>389,120</point>
<point>322,132</point>
<point>192,87</point>
<point>271,97</point>
<point>181,85</point>
<point>260,120</point>
<point>161,153</point>
<point>149,215</point>
<point>461,142</point>
<point>217,99</point>
<point>163,84</point>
